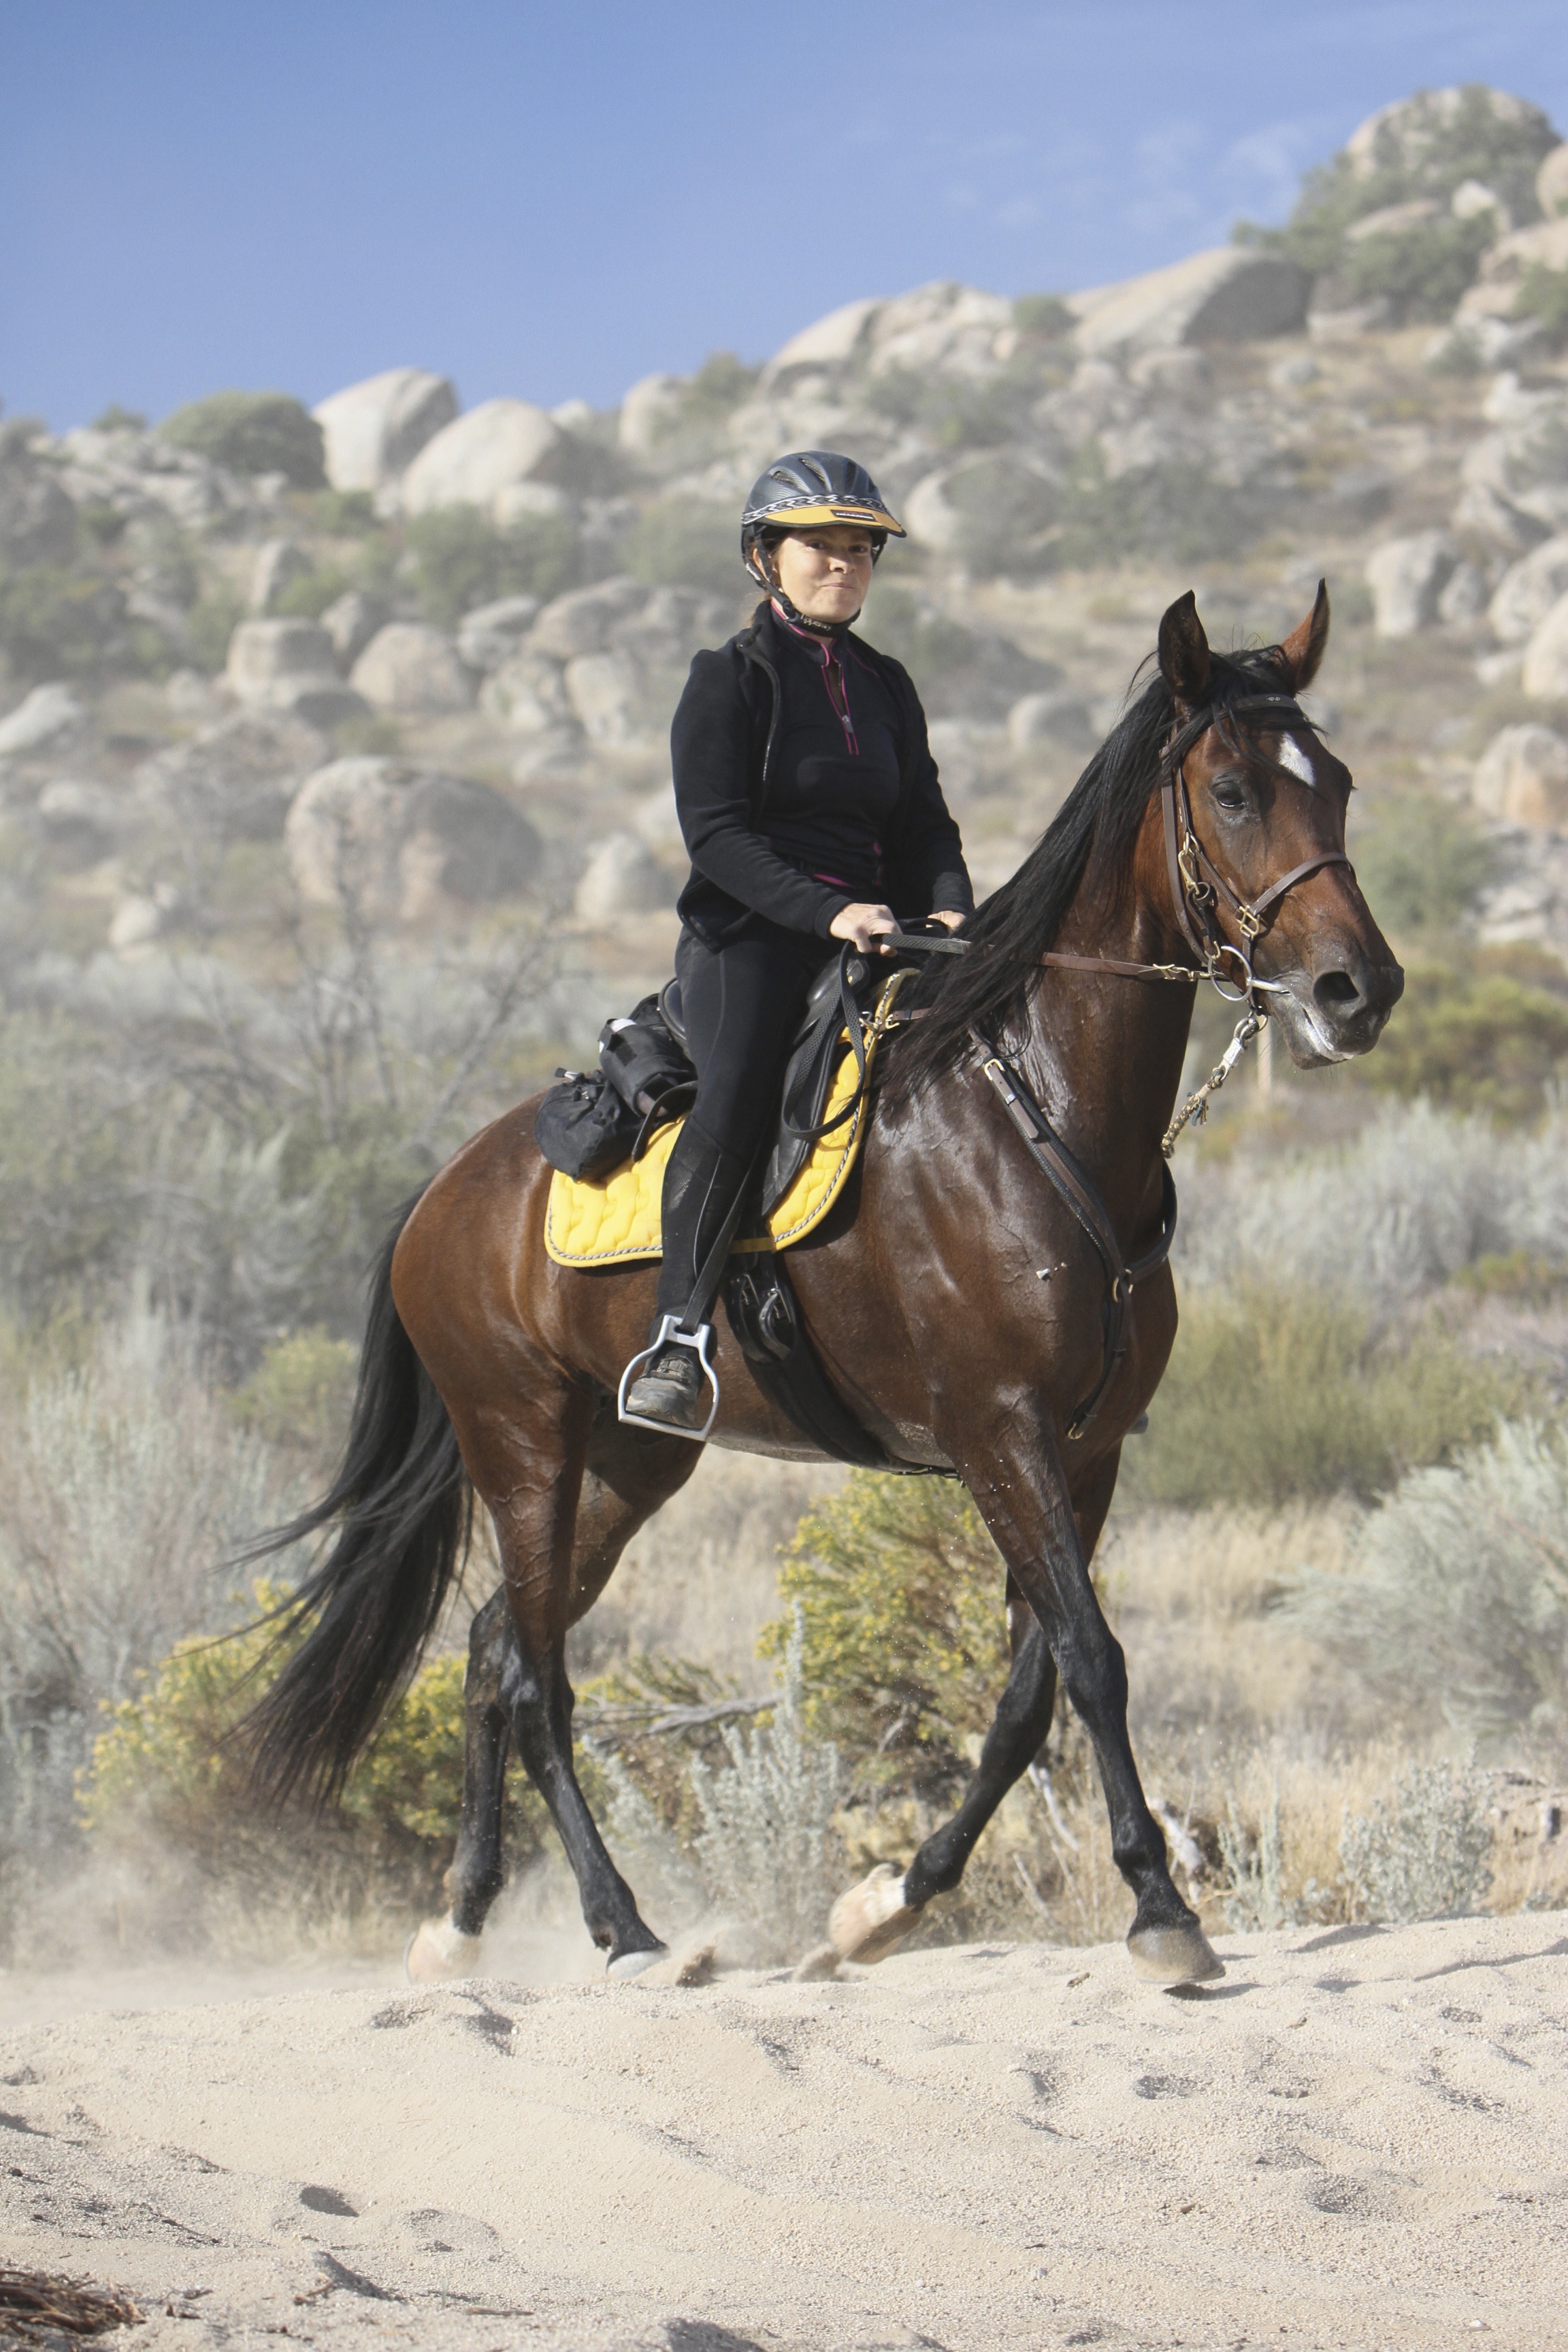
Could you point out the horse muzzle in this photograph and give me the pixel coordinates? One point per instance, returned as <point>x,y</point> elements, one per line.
<point>1337,1012</point>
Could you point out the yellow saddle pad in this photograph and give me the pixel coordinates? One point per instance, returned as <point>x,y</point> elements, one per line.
<point>608,1219</point>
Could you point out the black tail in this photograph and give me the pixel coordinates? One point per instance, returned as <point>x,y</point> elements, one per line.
<point>403,1510</point>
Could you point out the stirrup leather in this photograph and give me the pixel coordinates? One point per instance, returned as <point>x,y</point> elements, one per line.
<point>671,1335</point>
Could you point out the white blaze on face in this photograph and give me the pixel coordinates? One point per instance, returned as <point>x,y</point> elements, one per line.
<point>1293,757</point>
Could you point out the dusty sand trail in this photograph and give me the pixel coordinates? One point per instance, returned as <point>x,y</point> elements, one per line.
<point>1359,2138</point>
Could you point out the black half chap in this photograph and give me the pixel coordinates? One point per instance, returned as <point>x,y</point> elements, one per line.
<point>741,1004</point>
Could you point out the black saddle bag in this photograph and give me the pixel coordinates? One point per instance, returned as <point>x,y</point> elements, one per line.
<point>595,1119</point>
<point>583,1126</point>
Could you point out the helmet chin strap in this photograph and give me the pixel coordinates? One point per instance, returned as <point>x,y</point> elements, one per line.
<point>792,611</point>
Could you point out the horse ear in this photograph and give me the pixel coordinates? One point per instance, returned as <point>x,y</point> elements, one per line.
<point>1184,652</point>
<point>1305,646</point>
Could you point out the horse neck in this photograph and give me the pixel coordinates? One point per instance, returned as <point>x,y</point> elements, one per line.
<point>1106,1050</point>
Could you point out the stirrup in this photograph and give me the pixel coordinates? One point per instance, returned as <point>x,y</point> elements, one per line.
<point>671,1335</point>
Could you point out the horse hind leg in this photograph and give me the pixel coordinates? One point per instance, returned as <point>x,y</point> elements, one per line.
<point>449,1946</point>
<point>873,1917</point>
<point>626,1479</point>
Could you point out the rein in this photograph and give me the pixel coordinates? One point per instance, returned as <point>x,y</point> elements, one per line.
<point>1198,889</point>
<point>1051,1155</point>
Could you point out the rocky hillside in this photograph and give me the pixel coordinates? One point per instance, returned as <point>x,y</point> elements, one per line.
<point>423,658</point>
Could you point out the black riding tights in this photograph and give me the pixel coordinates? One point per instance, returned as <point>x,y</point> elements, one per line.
<point>741,1004</point>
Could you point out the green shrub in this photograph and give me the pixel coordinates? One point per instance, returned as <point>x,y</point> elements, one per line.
<point>714,393</point>
<point>167,1767</point>
<point>115,419</point>
<point>1043,318</point>
<point>211,623</point>
<point>1174,510</point>
<point>1421,1853</point>
<point>1421,862</point>
<point>1423,270</point>
<point>686,544</point>
<point>904,1640</point>
<point>1429,157</point>
<point>56,621</point>
<point>301,1392</point>
<point>767,1848</point>
<point>1486,1031</point>
<point>1454,1606</point>
<point>698,409</point>
<point>457,559</point>
<point>1543,295</point>
<point>344,514</point>
<point>374,733</point>
<point>70,1168</point>
<point>253,433</point>
<point>962,413</point>
<point>308,598</point>
<point>1272,1394</point>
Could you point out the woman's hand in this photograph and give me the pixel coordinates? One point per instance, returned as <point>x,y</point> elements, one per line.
<point>949,918</point>
<point>860,922</point>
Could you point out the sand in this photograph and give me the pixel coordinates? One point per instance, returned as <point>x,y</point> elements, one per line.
<point>1359,2138</point>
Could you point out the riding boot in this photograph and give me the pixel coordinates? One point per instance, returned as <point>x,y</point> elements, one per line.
<point>700,1183</point>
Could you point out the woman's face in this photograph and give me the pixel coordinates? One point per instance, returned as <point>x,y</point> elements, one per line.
<point>825,571</point>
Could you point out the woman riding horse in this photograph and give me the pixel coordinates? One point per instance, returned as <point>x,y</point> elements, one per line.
<point>808,800</point>
<point>1018,1129</point>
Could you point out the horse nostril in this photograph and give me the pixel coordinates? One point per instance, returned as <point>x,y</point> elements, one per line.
<point>1335,992</point>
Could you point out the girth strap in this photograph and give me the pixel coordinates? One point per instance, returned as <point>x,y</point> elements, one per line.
<point>1077,1189</point>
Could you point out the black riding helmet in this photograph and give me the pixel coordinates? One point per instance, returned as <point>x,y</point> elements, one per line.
<point>810,486</point>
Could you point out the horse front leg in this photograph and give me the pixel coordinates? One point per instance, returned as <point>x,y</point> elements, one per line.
<point>876,1916</point>
<point>867,1922</point>
<point>1021,1492</point>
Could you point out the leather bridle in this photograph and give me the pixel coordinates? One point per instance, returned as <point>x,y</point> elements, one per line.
<point>1198,888</point>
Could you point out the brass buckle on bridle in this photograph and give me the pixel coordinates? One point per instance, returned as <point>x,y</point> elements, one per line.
<point>1187,865</point>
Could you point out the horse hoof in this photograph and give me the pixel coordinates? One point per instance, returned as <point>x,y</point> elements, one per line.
<point>627,1964</point>
<point>437,1950</point>
<point>1171,1956</point>
<point>865,1923</point>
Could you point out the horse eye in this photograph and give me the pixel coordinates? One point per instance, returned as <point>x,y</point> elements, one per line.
<point>1228,796</point>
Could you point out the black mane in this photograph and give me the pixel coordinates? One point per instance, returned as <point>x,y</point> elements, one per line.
<point>1090,836</point>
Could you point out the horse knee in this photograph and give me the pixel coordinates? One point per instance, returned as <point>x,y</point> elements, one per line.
<point>1095,1674</point>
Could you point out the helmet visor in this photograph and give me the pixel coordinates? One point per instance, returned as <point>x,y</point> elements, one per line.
<point>787,517</point>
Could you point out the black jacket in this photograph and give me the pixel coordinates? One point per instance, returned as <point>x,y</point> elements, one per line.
<point>720,740</point>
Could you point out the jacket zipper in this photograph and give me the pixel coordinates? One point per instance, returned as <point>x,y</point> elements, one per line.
<point>840,710</point>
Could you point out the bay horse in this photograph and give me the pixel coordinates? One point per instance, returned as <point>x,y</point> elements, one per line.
<point>1206,835</point>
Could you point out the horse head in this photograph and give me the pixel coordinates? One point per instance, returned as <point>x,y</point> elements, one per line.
<point>1256,811</point>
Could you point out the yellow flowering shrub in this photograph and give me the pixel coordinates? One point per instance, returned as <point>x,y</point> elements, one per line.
<point>900,1592</point>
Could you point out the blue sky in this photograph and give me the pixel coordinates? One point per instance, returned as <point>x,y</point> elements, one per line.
<point>554,200</point>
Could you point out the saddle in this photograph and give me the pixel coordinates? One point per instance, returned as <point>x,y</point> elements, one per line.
<point>839,1001</point>
<point>594,1121</point>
